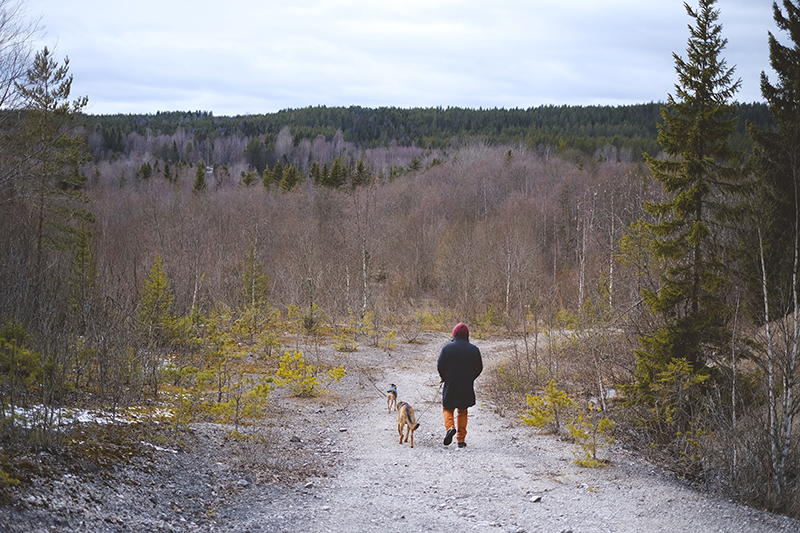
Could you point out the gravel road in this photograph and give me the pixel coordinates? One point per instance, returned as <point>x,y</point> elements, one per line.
<point>509,478</point>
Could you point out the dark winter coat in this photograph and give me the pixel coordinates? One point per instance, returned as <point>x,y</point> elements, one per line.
<point>459,364</point>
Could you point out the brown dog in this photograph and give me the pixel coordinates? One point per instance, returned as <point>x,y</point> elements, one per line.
<point>405,417</point>
<point>391,397</point>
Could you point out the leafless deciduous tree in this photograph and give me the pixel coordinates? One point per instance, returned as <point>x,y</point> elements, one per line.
<point>16,34</point>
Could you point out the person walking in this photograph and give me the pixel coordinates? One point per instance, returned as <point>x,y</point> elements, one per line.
<point>459,365</point>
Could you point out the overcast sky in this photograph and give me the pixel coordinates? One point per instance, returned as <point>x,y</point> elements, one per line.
<point>236,57</point>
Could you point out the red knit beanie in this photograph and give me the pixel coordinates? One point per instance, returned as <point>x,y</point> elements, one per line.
<point>461,330</point>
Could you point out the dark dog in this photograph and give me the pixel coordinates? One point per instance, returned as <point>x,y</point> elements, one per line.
<point>391,397</point>
<point>405,418</point>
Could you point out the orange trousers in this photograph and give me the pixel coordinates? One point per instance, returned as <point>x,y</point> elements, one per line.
<point>458,421</point>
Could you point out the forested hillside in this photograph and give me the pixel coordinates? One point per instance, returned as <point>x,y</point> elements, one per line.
<point>630,130</point>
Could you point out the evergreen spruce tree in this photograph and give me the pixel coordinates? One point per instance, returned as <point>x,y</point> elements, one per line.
<point>174,155</point>
<point>316,173</point>
<point>249,178</point>
<point>338,174</point>
<point>291,178</point>
<point>325,175</point>
<point>776,162</point>
<point>277,173</point>
<point>255,153</point>
<point>200,184</point>
<point>145,171</point>
<point>155,310</point>
<point>362,176</point>
<point>156,322</point>
<point>50,155</point>
<point>698,177</point>
<point>267,178</point>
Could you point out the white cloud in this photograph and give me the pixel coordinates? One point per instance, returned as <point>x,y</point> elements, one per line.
<point>244,56</point>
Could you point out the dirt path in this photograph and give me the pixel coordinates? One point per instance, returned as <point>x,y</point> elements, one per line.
<point>508,478</point>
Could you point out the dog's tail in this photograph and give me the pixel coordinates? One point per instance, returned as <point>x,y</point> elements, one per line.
<point>414,423</point>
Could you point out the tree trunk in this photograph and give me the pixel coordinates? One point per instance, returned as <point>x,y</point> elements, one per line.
<point>611,241</point>
<point>771,401</point>
<point>508,274</point>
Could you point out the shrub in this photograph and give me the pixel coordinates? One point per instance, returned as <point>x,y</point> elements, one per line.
<point>301,378</point>
<point>587,427</point>
<point>387,343</point>
<point>344,340</point>
<point>247,395</point>
<point>548,410</point>
<point>590,430</point>
<point>7,481</point>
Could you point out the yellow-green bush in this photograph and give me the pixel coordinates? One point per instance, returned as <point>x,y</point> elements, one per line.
<point>387,343</point>
<point>246,396</point>
<point>6,480</point>
<point>591,429</point>
<point>344,339</point>
<point>302,378</point>
<point>550,409</point>
<point>588,427</point>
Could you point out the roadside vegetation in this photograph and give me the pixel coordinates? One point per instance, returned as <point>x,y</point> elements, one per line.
<point>645,274</point>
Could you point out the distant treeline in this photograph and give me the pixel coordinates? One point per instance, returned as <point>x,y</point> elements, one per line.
<point>587,129</point>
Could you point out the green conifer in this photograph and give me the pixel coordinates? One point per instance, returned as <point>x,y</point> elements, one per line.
<point>51,154</point>
<point>698,176</point>
<point>291,178</point>
<point>338,174</point>
<point>776,159</point>
<point>200,184</point>
<point>267,178</point>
